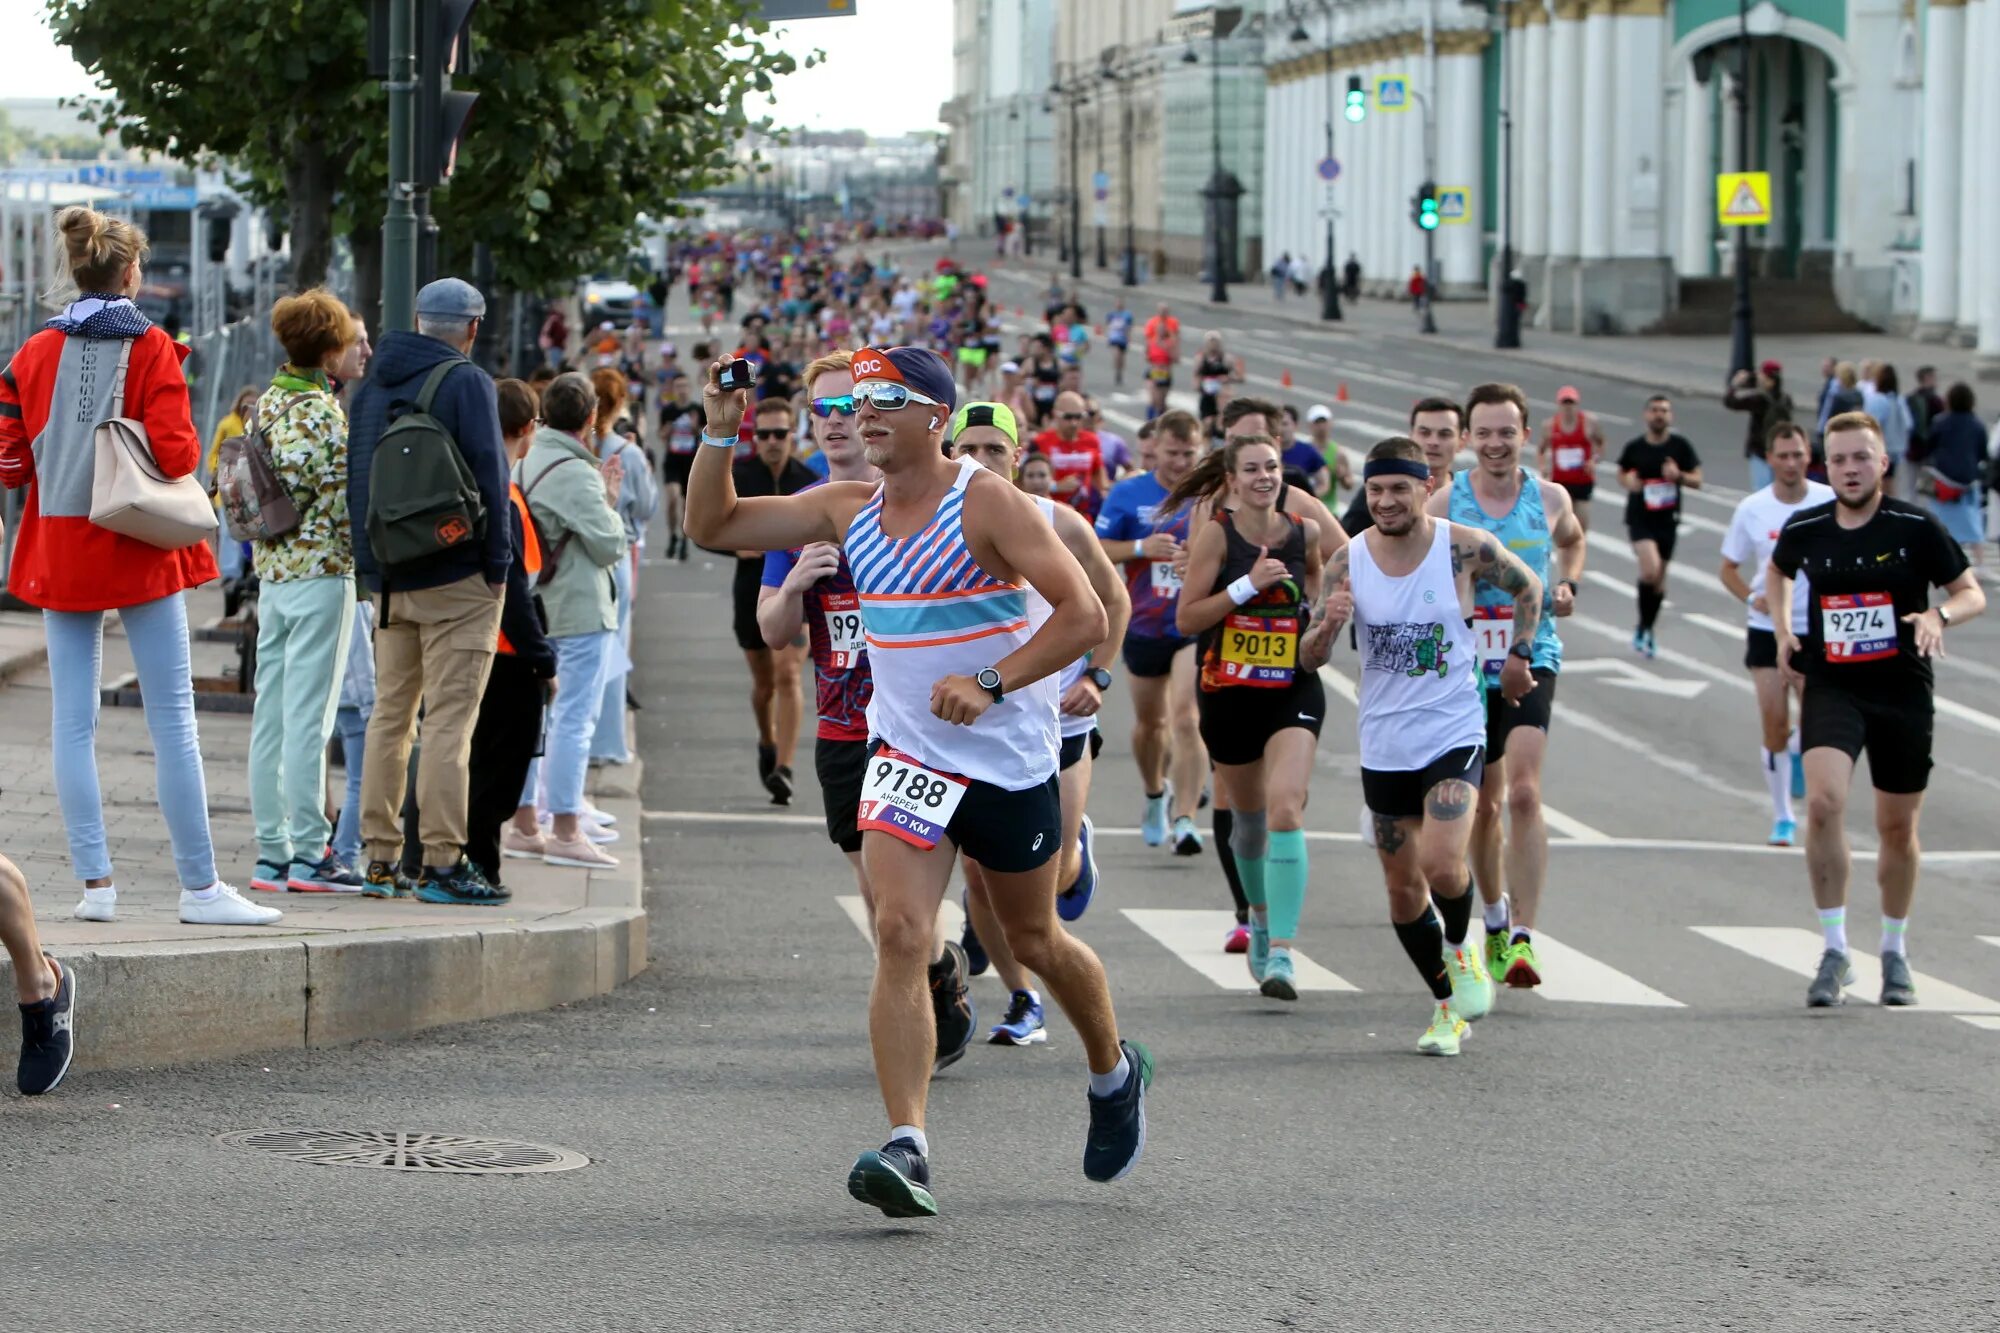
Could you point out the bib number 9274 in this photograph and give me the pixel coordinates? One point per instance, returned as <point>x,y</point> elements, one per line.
<point>903,798</point>
<point>1858,627</point>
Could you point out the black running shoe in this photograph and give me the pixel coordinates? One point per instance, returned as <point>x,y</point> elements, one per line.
<point>976,961</point>
<point>767,762</point>
<point>460,885</point>
<point>385,880</point>
<point>779,784</point>
<point>951,1006</point>
<point>48,1037</point>
<point>1118,1122</point>
<point>895,1178</point>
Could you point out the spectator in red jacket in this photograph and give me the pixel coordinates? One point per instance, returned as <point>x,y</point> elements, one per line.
<point>52,396</point>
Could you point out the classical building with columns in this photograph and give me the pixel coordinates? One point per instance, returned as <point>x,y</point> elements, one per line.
<point>1604,123</point>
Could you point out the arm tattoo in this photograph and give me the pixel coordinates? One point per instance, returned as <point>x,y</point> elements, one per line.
<point>1449,799</point>
<point>1389,834</point>
<point>1509,575</point>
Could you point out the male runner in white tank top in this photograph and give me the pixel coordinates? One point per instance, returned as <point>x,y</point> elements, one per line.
<point>1407,584</point>
<point>943,554</point>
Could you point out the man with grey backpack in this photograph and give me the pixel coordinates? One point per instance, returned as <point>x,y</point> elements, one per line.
<point>427,502</point>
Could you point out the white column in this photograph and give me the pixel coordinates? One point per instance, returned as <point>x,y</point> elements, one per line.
<point>1697,191</point>
<point>1944,90</point>
<point>1973,163</point>
<point>1601,108</point>
<point>1531,143</point>
<point>1566,111</point>
<point>1638,184</point>
<point>1460,159</point>
<point>1379,259</point>
<point>1988,134</point>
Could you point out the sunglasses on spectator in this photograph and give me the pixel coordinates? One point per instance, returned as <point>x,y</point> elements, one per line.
<point>826,407</point>
<point>886,397</point>
<point>780,433</point>
<point>1069,416</point>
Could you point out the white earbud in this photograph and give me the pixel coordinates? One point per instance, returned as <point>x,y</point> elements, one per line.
<point>933,421</point>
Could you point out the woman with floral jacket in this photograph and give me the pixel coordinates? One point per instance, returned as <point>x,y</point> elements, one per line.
<point>305,603</point>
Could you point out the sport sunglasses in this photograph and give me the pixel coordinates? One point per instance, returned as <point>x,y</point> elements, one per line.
<point>826,407</point>
<point>884,396</point>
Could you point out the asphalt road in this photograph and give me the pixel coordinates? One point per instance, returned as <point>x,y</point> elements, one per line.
<point>1665,1139</point>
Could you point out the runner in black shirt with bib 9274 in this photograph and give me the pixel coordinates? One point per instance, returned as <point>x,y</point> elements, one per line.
<point>1871,562</point>
<point>1654,468</point>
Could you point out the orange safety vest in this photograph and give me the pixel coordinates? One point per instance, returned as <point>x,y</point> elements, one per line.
<point>531,553</point>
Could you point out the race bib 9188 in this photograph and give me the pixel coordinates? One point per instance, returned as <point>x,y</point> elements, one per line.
<point>1493,635</point>
<point>1858,627</point>
<point>901,797</point>
<point>843,629</point>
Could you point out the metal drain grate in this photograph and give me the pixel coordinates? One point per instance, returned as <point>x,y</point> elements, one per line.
<point>406,1150</point>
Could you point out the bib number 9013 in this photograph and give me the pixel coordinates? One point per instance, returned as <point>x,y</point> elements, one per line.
<point>903,798</point>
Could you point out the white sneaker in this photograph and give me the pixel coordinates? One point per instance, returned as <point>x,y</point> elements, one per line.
<point>596,816</point>
<point>98,905</point>
<point>226,908</point>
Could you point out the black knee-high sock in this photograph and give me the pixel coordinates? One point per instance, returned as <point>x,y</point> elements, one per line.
<point>1423,940</point>
<point>1457,913</point>
<point>1225,823</point>
<point>1650,601</point>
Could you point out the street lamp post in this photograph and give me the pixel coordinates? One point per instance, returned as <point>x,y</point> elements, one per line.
<point>1076,97</point>
<point>1508,331</point>
<point>1430,236</point>
<point>1027,185</point>
<point>1329,296</point>
<point>1742,354</point>
<point>1097,173</point>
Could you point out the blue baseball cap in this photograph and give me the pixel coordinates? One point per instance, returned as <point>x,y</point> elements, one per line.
<point>915,368</point>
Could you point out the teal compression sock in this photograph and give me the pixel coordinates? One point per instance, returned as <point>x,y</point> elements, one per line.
<point>1285,881</point>
<point>1251,870</point>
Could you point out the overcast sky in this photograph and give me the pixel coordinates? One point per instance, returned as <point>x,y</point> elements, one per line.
<point>888,66</point>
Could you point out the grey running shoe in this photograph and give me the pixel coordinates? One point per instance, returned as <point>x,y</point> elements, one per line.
<point>1834,973</point>
<point>1897,988</point>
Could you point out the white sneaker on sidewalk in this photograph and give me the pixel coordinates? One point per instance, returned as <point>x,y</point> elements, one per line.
<point>602,834</point>
<point>596,816</point>
<point>98,905</point>
<point>581,853</point>
<point>224,907</point>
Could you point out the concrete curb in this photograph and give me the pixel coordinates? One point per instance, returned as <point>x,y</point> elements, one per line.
<point>169,1002</point>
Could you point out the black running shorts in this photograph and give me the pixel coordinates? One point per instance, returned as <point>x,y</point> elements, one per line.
<point>1149,657</point>
<point>1071,753</point>
<point>1534,711</point>
<point>1579,491</point>
<point>1760,648</point>
<point>1237,720</point>
<point>1400,793</point>
<point>1655,531</point>
<point>841,765</point>
<point>1009,832</point>
<point>1896,736</point>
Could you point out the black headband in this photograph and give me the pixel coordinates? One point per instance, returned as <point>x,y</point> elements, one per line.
<point>1394,467</point>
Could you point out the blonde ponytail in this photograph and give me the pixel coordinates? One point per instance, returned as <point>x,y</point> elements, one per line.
<point>99,248</point>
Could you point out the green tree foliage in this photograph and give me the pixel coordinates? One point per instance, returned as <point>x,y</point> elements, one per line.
<point>588,116</point>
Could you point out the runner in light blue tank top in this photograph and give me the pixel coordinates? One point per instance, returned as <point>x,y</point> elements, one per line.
<point>1525,532</point>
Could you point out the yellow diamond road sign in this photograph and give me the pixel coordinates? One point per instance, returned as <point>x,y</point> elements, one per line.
<point>1743,198</point>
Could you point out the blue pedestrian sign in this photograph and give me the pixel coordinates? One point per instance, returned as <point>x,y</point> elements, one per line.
<point>1329,168</point>
<point>1392,92</point>
<point>1100,180</point>
<point>1454,203</point>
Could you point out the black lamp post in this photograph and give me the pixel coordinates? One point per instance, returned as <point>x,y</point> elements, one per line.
<point>1507,332</point>
<point>1223,189</point>
<point>1329,279</point>
<point>1742,354</point>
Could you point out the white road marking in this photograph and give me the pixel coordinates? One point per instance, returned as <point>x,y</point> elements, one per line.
<point>1632,676</point>
<point>1990,1022</point>
<point>1574,977</point>
<point>1195,937</point>
<point>1571,827</point>
<point>1676,572</point>
<point>1798,950</point>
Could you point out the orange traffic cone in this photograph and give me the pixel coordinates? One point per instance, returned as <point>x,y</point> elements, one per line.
<point>1340,395</point>
<point>1286,379</point>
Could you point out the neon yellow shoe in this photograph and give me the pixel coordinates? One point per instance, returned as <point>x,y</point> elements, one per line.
<point>1496,953</point>
<point>1446,1031</point>
<point>1519,967</point>
<point>1471,987</point>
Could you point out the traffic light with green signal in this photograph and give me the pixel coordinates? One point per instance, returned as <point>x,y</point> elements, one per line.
<point>1357,100</point>
<point>1424,207</point>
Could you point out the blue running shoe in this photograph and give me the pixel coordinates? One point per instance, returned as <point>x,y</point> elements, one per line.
<point>895,1178</point>
<point>1639,642</point>
<point>1072,901</point>
<point>1278,983</point>
<point>1118,1122</point>
<point>1023,1024</point>
<point>1187,838</point>
<point>1785,833</point>
<point>1153,824</point>
<point>270,876</point>
<point>1652,648</point>
<point>1798,777</point>
<point>1259,956</point>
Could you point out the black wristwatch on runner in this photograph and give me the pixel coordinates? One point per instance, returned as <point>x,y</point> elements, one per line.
<point>989,680</point>
<point>1524,651</point>
<point>1099,677</point>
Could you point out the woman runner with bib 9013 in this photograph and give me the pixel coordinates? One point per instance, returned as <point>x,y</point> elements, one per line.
<point>1259,571</point>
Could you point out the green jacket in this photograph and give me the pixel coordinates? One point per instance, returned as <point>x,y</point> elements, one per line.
<point>572,514</point>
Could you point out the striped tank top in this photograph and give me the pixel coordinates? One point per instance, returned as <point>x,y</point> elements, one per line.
<point>929,611</point>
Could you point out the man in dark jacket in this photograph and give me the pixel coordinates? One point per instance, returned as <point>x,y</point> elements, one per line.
<point>437,624</point>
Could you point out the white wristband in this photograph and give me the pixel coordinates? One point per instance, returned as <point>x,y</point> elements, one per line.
<point>1242,590</point>
<point>718,441</point>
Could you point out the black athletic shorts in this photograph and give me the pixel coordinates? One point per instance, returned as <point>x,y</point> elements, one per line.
<point>749,578</point>
<point>1208,406</point>
<point>1150,657</point>
<point>840,765</point>
<point>1663,533</point>
<point>1237,720</point>
<point>1072,748</point>
<point>1533,711</point>
<point>1895,735</point>
<point>676,468</point>
<point>1579,491</point>
<point>1006,831</point>
<point>1400,793</point>
<point>1760,648</point>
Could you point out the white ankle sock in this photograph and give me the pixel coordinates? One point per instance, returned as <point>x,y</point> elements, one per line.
<point>1496,915</point>
<point>206,894</point>
<point>103,895</point>
<point>1103,1085</point>
<point>1893,931</point>
<point>1833,925</point>
<point>1778,781</point>
<point>913,1133</point>
<point>1792,745</point>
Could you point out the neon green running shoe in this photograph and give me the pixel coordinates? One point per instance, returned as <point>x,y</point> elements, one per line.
<point>1519,967</point>
<point>1471,987</point>
<point>1496,953</point>
<point>1445,1033</point>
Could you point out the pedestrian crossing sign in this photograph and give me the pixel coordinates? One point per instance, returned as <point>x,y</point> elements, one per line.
<point>1454,203</point>
<point>1743,198</point>
<point>1392,92</point>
